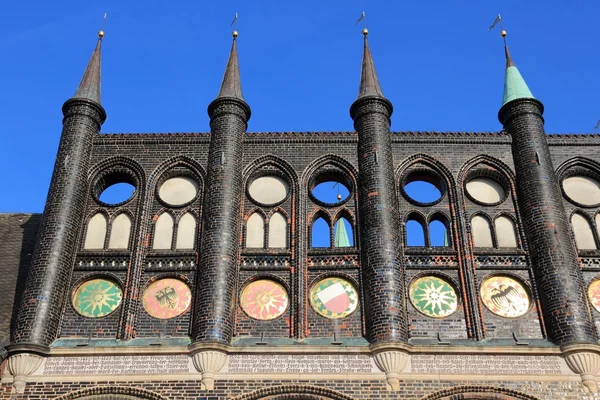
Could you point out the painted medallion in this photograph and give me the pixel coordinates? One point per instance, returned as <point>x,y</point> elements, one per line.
<point>264,299</point>
<point>167,298</point>
<point>97,298</point>
<point>334,298</point>
<point>505,296</point>
<point>433,296</point>
<point>594,294</point>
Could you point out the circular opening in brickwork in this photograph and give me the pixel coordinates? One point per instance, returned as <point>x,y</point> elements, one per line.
<point>114,188</point>
<point>582,190</point>
<point>178,191</point>
<point>423,187</point>
<point>330,187</point>
<point>486,191</point>
<point>268,190</point>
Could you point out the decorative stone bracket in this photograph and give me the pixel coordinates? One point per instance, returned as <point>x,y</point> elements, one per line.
<point>20,366</point>
<point>585,361</point>
<point>392,362</point>
<point>209,362</point>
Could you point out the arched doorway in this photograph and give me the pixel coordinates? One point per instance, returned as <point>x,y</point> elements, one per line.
<point>478,393</point>
<point>112,393</point>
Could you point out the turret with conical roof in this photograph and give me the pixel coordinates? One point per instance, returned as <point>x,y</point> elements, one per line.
<point>54,256</point>
<point>229,115</point>
<point>381,257</point>
<point>553,253</point>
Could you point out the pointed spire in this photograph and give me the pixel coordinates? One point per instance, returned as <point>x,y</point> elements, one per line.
<point>369,83</point>
<point>89,87</point>
<point>514,84</point>
<point>232,85</point>
<point>341,235</point>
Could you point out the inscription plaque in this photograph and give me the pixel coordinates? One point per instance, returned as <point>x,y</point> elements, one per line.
<point>462,364</point>
<point>111,365</point>
<point>304,364</point>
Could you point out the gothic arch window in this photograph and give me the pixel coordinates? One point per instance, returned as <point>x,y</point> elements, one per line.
<point>506,233</point>
<point>96,232</point>
<point>439,231</point>
<point>255,231</point>
<point>163,232</point>
<point>320,233</point>
<point>584,237</point>
<point>186,232</point>
<point>481,231</point>
<point>343,234</point>
<point>120,230</point>
<point>415,231</point>
<point>278,231</point>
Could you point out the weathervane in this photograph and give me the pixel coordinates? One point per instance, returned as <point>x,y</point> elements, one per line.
<point>363,18</point>
<point>498,20</point>
<point>234,25</point>
<point>101,31</point>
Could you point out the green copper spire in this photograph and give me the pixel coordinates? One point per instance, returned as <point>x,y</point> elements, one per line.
<point>341,236</point>
<point>514,84</point>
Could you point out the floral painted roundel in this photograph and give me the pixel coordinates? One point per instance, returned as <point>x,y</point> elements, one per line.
<point>97,297</point>
<point>594,294</point>
<point>433,296</point>
<point>505,296</point>
<point>264,299</point>
<point>334,298</point>
<point>167,298</point>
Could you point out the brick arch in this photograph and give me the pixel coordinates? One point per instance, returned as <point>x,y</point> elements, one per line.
<point>478,393</point>
<point>294,392</point>
<point>112,393</point>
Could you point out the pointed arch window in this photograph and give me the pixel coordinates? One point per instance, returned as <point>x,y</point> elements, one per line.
<point>186,232</point>
<point>482,234</point>
<point>277,231</point>
<point>96,232</point>
<point>255,231</point>
<point>320,234</point>
<point>120,230</point>
<point>342,233</point>
<point>163,232</point>
<point>505,232</point>
<point>584,236</point>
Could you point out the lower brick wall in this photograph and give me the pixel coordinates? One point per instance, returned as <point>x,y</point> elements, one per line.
<point>355,389</point>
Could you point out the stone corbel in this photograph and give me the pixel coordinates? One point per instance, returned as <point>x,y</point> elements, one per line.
<point>392,360</point>
<point>208,360</point>
<point>585,361</point>
<point>22,365</point>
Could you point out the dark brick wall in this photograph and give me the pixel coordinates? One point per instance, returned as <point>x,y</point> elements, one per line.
<point>553,252</point>
<point>367,389</point>
<point>47,283</point>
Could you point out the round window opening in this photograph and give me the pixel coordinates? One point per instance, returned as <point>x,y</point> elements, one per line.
<point>486,190</point>
<point>178,191</point>
<point>268,190</point>
<point>117,193</point>
<point>582,190</point>
<point>97,298</point>
<point>423,187</point>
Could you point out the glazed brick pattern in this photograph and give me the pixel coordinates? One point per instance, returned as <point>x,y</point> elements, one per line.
<point>381,256</point>
<point>553,252</point>
<point>215,298</point>
<point>360,389</point>
<point>44,294</point>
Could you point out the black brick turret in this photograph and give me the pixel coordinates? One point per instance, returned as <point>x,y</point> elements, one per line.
<point>54,254</point>
<point>553,252</point>
<point>383,275</point>
<point>215,295</point>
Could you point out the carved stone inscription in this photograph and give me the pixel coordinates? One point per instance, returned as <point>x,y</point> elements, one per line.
<point>461,364</point>
<point>303,364</point>
<point>116,365</point>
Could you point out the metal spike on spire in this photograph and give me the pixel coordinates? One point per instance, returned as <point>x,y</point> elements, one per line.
<point>369,83</point>
<point>89,87</point>
<point>232,85</point>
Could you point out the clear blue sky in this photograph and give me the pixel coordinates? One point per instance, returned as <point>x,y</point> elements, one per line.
<point>163,62</point>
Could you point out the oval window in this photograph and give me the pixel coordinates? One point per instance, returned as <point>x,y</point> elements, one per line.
<point>178,191</point>
<point>583,190</point>
<point>117,193</point>
<point>486,190</point>
<point>331,192</point>
<point>268,190</point>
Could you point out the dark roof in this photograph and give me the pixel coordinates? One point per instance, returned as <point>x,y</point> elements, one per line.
<point>18,233</point>
<point>89,87</point>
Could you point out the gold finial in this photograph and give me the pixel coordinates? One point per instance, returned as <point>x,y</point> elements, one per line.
<point>234,34</point>
<point>101,31</point>
<point>365,32</point>
<point>503,33</point>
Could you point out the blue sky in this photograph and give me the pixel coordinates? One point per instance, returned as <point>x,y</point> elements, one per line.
<point>300,62</point>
